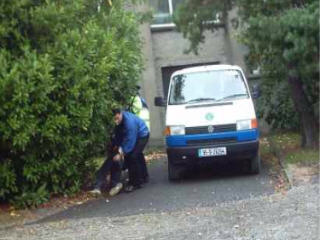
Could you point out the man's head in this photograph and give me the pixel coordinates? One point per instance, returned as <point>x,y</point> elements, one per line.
<point>117,116</point>
<point>138,89</point>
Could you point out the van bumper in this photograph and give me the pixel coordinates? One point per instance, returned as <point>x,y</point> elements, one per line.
<point>235,151</point>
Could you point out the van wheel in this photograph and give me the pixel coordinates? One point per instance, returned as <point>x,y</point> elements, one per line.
<point>174,172</point>
<point>255,164</point>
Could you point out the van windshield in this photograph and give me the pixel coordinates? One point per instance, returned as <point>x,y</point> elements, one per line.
<point>218,85</point>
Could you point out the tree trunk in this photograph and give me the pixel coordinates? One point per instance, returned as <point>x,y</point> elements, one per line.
<point>303,135</point>
<point>309,123</point>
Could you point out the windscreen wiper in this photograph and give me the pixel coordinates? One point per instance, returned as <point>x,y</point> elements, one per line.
<point>234,96</point>
<point>201,100</point>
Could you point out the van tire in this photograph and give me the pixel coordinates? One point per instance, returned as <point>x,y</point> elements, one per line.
<point>255,164</point>
<point>174,172</point>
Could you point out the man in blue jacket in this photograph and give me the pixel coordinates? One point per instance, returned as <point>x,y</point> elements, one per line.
<point>132,135</point>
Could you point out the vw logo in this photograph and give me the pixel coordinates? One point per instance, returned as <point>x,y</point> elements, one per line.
<point>209,116</point>
<point>210,129</point>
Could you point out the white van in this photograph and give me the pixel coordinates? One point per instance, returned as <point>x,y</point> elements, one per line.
<point>210,115</point>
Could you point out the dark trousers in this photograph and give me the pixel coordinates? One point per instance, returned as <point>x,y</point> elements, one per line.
<point>144,169</point>
<point>136,163</point>
<point>109,166</point>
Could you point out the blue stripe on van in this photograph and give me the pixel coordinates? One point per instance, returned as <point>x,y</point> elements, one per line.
<point>243,135</point>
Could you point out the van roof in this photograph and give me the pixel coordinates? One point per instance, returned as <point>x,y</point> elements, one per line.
<point>207,68</point>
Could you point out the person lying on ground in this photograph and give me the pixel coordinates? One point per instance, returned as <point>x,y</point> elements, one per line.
<point>112,165</point>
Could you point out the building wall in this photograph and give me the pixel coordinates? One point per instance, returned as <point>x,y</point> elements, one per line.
<point>148,85</point>
<point>236,50</point>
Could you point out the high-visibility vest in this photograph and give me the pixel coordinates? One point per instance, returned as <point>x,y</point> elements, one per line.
<point>140,110</point>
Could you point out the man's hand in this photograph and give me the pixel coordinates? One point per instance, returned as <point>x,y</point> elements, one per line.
<point>117,157</point>
<point>120,151</point>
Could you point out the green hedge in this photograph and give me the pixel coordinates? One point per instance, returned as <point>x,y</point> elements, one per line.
<point>63,66</point>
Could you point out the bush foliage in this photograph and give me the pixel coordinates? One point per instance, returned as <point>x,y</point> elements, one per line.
<point>63,66</point>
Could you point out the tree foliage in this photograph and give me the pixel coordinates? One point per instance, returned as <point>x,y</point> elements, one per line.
<point>282,38</point>
<point>194,17</point>
<point>63,66</point>
<point>286,46</point>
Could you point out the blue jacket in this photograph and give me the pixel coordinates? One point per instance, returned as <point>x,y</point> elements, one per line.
<point>129,131</point>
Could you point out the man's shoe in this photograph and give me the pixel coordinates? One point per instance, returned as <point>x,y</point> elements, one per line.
<point>131,188</point>
<point>95,191</point>
<point>116,189</point>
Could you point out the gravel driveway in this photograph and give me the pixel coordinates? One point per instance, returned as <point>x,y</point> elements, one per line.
<point>277,217</point>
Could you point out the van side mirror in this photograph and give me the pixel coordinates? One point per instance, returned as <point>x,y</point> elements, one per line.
<point>256,91</point>
<point>160,102</point>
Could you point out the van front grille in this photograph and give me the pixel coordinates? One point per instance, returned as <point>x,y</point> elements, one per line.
<point>216,129</point>
<point>204,142</point>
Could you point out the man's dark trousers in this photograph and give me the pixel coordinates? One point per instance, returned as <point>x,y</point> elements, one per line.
<point>137,169</point>
<point>144,169</point>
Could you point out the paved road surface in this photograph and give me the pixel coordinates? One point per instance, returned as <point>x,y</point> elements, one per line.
<point>203,188</point>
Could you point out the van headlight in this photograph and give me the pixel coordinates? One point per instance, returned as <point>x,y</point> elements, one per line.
<point>247,124</point>
<point>175,130</point>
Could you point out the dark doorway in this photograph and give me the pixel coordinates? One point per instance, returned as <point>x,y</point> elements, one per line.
<point>167,72</point>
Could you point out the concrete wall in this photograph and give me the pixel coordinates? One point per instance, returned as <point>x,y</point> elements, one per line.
<point>148,85</point>
<point>237,51</point>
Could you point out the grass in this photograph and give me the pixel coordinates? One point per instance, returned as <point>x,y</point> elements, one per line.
<point>286,141</point>
<point>268,157</point>
<point>306,156</point>
<point>288,145</point>
<point>264,146</point>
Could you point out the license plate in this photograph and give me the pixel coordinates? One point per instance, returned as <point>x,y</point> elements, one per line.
<point>209,152</point>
